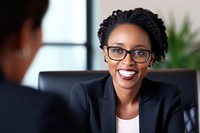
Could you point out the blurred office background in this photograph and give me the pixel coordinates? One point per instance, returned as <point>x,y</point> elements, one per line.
<point>70,31</point>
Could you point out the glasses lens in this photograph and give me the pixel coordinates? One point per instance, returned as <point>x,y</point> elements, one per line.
<point>140,55</point>
<point>116,53</point>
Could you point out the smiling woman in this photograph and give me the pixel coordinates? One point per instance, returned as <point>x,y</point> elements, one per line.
<point>124,100</point>
<point>129,37</point>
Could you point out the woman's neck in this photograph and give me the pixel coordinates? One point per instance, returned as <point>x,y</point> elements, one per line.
<point>127,105</point>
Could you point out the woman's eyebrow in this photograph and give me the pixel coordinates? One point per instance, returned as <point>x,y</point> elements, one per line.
<point>116,44</point>
<point>141,46</point>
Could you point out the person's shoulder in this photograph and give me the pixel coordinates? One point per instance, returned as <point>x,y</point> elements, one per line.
<point>47,111</point>
<point>158,83</point>
<point>15,89</point>
<point>26,94</point>
<point>159,87</point>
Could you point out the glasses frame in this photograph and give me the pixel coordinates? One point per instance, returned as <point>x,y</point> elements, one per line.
<point>128,52</point>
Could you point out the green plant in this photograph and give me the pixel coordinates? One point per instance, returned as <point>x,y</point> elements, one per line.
<point>184,49</point>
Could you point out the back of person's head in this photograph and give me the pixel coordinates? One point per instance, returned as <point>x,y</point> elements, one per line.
<point>13,13</point>
<point>20,36</point>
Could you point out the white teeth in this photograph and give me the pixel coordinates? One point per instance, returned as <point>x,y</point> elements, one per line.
<point>126,73</point>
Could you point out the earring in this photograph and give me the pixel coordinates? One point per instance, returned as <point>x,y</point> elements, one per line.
<point>105,59</point>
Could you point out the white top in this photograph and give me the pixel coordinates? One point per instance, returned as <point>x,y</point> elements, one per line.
<point>127,126</point>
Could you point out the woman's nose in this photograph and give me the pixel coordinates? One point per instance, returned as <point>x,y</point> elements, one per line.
<point>128,59</point>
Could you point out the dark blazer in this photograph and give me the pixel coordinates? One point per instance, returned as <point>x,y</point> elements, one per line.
<point>25,110</point>
<point>93,106</point>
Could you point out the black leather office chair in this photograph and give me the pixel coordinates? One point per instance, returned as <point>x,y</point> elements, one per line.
<point>61,82</point>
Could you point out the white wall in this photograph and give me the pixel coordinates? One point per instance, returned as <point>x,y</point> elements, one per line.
<point>163,8</point>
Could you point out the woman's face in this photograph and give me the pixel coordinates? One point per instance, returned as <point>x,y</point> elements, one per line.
<point>127,73</point>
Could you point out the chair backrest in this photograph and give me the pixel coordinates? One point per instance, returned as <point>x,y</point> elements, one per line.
<point>61,82</point>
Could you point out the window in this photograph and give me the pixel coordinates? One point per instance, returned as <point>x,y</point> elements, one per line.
<point>65,22</point>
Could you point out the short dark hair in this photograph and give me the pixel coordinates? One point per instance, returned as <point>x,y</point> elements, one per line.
<point>143,18</point>
<point>13,13</point>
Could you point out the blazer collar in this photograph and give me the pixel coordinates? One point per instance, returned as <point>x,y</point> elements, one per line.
<point>107,108</point>
<point>145,107</point>
<point>144,94</point>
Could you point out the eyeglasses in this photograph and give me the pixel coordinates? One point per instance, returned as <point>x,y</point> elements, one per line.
<point>138,55</point>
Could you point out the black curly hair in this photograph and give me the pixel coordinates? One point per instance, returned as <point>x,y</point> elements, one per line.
<point>143,18</point>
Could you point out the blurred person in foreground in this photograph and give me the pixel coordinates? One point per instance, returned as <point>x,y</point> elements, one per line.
<point>23,109</point>
<point>124,101</point>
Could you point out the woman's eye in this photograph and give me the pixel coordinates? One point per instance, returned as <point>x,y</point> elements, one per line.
<point>139,52</point>
<point>117,50</point>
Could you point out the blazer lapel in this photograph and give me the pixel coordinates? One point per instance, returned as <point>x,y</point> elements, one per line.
<point>107,108</point>
<point>147,109</point>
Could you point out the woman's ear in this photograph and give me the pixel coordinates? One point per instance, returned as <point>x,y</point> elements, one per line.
<point>105,53</point>
<point>152,57</point>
